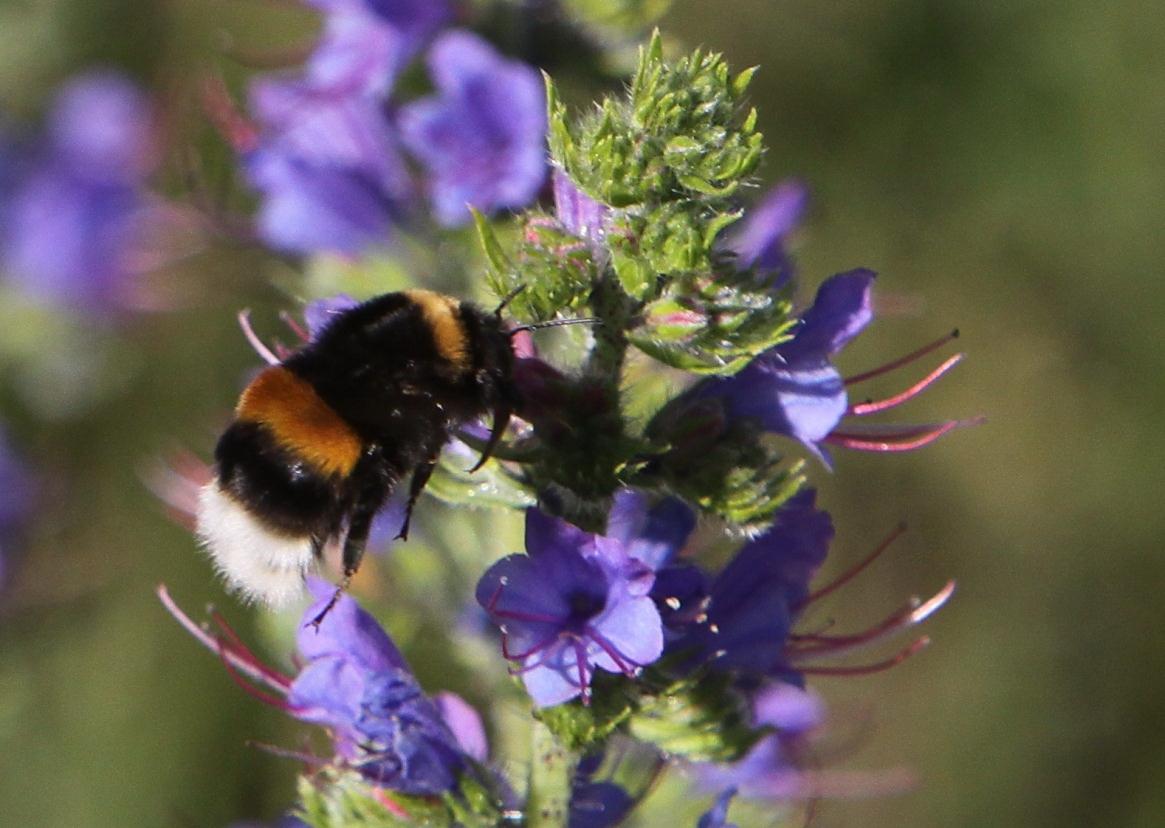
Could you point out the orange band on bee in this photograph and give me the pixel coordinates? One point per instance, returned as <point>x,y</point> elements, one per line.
<point>300,420</point>
<point>442,315</point>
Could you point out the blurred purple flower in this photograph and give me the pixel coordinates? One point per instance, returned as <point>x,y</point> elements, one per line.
<point>327,166</point>
<point>482,136</point>
<point>318,313</point>
<point>364,44</point>
<point>771,769</point>
<point>77,211</point>
<point>574,603</point>
<point>761,240</point>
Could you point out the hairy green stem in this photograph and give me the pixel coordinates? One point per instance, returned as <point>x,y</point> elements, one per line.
<point>551,769</point>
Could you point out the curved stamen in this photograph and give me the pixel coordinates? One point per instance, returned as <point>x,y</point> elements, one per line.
<point>868,669</point>
<point>293,323</point>
<point>873,407</point>
<point>913,613</point>
<point>253,671</point>
<point>541,645</point>
<point>245,652</point>
<point>904,360</point>
<point>244,317</point>
<point>893,441</point>
<point>854,570</point>
<point>626,666</point>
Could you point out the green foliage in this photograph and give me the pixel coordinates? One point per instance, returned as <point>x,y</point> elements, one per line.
<point>616,17</point>
<point>712,324</point>
<point>579,726</point>
<point>729,469</point>
<point>667,158</point>
<point>553,271</point>
<point>334,798</point>
<point>700,718</point>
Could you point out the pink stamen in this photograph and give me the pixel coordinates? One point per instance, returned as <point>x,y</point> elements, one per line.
<point>873,407</point>
<point>854,570</point>
<point>298,329</point>
<point>253,338</point>
<point>247,687</point>
<point>390,804</point>
<point>251,670</point>
<point>897,440</point>
<point>245,652</point>
<point>239,132</point>
<point>869,669</point>
<point>915,612</point>
<point>904,360</point>
<point>308,759</point>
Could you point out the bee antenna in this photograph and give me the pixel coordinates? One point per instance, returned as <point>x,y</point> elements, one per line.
<point>556,323</point>
<point>509,297</point>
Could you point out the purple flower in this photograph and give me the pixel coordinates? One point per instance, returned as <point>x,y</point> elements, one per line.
<point>356,683</point>
<point>77,212</point>
<point>327,166</point>
<point>761,240</point>
<point>752,603</point>
<point>574,603</point>
<point>717,815</point>
<point>482,136</point>
<point>365,44</point>
<point>320,312</point>
<point>651,533</point>
<point>794,389</point>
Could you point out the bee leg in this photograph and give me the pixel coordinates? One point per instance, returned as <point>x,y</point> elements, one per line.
<point>421,476</point>
<point>359,524</point>
<point>501,420</point>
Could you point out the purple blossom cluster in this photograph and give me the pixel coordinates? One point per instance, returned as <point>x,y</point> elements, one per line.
<point>75,216</point>
<point>331,157</point>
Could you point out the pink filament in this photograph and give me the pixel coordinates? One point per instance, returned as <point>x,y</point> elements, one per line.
<point>856,569</point>
<point>873,407</point>
<point>868,669</point>
<point>886,442</point>
<point>901,361</point>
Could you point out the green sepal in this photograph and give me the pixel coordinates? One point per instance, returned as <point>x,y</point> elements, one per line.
<point>700,718</point>
<point>713,324</point>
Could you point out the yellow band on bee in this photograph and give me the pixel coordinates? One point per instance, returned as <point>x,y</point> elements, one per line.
<point>441,315</point>
<point>300,420</point>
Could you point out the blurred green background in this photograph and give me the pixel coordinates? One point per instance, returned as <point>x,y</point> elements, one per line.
<point>1001,164</point>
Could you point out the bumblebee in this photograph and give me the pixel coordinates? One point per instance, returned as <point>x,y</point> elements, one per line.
<point>321,440</point>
